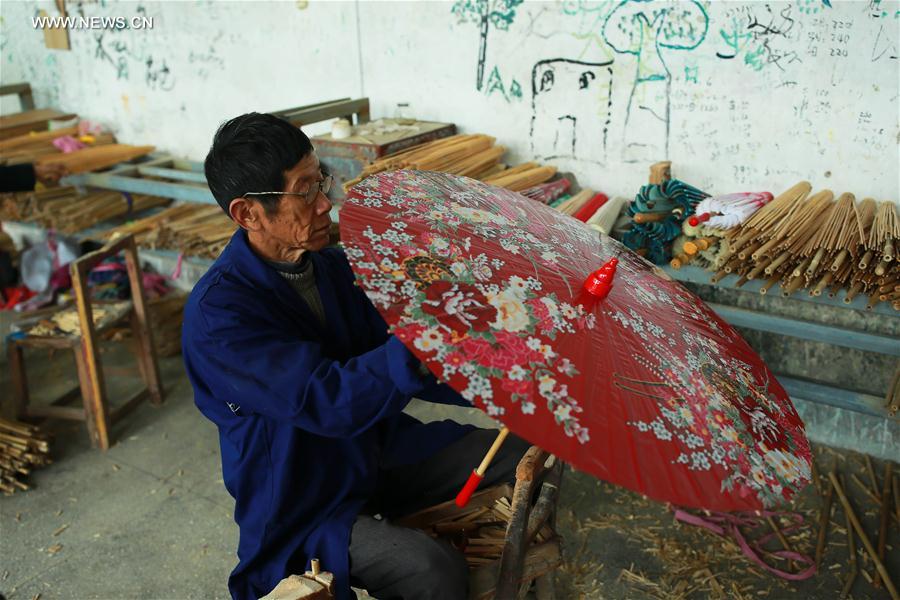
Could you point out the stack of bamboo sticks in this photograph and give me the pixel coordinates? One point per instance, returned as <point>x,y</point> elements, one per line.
<point>479,531</point>
<point>192,229</point>
<point>472,155</point>
<point>810,240</point>
<point>66,210</point>
<point>22,447</point>
<point>30,147</point>
<point>96,158</point>
<point>76,213</point>
<point>22,206</point>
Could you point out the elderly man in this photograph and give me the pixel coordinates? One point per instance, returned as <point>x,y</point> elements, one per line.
<point>296,368</point>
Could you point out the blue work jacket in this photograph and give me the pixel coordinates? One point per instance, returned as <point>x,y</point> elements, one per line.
<point>307,413</point>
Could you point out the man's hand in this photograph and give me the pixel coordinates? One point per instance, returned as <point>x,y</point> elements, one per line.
<point>49,173</point>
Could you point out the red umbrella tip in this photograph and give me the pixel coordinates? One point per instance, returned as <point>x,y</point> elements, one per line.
<point>599,283</point>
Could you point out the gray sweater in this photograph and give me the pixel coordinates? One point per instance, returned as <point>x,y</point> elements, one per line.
<point>302,277</point>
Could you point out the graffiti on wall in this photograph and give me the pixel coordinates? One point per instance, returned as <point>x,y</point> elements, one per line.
<point>498,14</point>
<point>650,31</point>
<point>565,96</point>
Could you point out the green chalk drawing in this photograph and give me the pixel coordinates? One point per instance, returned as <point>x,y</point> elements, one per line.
<point>755,58</point>
<point>691,74</point>
<point>515,90</point>
<point>499,13</point>
<point>650,29</point>
<point>809,7</point>
<point>495,84</point>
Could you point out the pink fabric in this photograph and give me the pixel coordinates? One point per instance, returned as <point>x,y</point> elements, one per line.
<point>176,273</point>
<point>67,143</point>
<point>729,526</point>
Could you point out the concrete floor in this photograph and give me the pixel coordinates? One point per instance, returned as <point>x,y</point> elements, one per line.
<point>151,519</point>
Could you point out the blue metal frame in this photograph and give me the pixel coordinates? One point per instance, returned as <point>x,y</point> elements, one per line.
<point>697,275</point>
<point>832,396</point>
<point>808,330</point>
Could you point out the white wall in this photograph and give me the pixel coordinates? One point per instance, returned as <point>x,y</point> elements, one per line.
<point>738,95</point>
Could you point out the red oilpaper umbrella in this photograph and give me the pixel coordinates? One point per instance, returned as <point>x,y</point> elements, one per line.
<point>646,387</point>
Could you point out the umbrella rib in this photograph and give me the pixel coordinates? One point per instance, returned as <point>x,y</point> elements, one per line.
<point>632,380</point>
<point>640,393</point>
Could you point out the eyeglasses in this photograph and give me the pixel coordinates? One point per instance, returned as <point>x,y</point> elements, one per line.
<point>309,196</point>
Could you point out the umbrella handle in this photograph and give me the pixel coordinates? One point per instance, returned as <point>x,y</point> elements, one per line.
<point>478,474</point>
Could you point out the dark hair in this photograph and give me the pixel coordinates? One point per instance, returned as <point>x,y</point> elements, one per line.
<point>250,153</point>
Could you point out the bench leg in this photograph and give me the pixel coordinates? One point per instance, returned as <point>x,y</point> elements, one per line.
<point>16,358</point>
<point>95,415</point>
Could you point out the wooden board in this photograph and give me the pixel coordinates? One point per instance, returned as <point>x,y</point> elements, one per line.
<point>30,120</point>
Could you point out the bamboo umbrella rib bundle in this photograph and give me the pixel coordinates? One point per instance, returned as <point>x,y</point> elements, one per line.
<point>69,211</point>
<point>816,242</point>
<point>885,231</point>
<point>78,212</point>
<point>96,158</point>
<point>192,229</point>
<point>524,179</point>
<point>22,447</point>
<point>471,155</point>
<point>24,206</point>
<point>866,217</point>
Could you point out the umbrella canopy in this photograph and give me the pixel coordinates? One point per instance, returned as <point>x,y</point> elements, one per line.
<point>646,388</point>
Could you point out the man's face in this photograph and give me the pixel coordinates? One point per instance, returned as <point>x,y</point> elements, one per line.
<point>298,223</point>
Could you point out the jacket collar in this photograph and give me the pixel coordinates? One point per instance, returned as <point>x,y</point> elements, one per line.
<point>263,276</point>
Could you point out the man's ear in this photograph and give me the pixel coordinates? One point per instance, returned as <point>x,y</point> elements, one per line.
<point>245,213</point>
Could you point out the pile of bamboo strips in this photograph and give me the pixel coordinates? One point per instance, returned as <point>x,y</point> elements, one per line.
<point>22,447</point>
<point>74,214</point>
<point>22,206</point>
<point>472,155</point>
<point>96,158</point>
<point>192,229</point>
<point>480,532</point>
<point>28,148</point>
<point>804,240</point>
<point>68,211</point>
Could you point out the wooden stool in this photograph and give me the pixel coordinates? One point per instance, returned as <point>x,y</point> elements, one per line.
<point>84,344</point>
<point>524,560</point>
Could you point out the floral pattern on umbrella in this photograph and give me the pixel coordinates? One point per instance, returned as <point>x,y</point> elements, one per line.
<point>483,285</point>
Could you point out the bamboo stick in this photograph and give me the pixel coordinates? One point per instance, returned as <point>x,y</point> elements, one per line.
<point>823,283</point>
<point>885,511</point>
<point>793,285</point>
<point>863,537</point>
<point>758,269</point>
<point>824,520</point>
<point>770,282</point>
<point>854,561</point>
